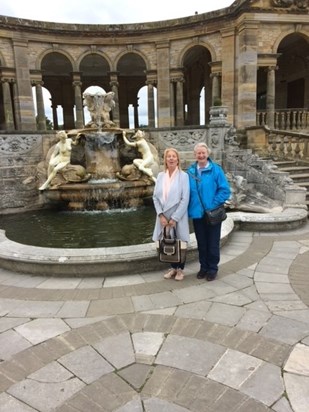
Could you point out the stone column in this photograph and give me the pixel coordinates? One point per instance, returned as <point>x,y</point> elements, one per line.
<point>115,87</point>
<point>151,105</point>
<point>7,103</point>
<point>179,102</point>
<point>24,99</point>
<point>136,119</point>
<point>306,94</point>
<point>215,87</point>
<point>228,79</point>
<point>246,67</point>
<point>41,118</point>
<point>270,96</point>
<point>17,120</point>
<point>163,76</point>
<point>79,122</point>
<point>55,117</point>
<point>173,104</point>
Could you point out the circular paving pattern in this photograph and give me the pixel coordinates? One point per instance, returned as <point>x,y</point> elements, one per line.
<point>141,343</point>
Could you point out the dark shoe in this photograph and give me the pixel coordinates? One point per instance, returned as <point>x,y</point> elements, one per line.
<point>211,276</point>
<point>201,275</point>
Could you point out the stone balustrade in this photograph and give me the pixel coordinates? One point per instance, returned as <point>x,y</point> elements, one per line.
<point>288,145</point>
<point>286,119</point>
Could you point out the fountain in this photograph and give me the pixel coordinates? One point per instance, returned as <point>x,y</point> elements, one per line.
<point>96,168</point>
<point>99,167</point>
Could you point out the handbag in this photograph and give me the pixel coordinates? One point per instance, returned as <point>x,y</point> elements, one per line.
<point>171,249</point>
<point>215,216</point>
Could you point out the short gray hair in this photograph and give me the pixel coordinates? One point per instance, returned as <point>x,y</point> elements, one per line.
<point>202,144</point>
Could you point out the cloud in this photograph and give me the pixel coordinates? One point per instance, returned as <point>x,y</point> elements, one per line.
<point>107,12</point>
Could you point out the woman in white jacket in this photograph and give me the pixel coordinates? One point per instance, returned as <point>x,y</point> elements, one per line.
<point>171,199</point>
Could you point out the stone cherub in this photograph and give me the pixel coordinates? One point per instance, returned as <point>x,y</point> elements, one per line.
<point>99,106</point>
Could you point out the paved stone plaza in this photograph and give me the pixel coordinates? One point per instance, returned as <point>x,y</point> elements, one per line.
<point>140,343</point>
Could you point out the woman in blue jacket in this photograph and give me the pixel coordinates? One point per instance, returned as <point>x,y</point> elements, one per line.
<point>209,189</point>
<point>171,198</point>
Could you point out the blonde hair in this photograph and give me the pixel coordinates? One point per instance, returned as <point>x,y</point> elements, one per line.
<point>170,149</point>
<point>202,144</point>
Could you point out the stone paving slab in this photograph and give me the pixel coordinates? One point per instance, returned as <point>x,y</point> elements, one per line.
<point>239,343</point>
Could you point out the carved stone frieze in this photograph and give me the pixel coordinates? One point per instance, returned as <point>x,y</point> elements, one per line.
<point>18,144</point>
<point>300,4</point>
<point>182,140</point>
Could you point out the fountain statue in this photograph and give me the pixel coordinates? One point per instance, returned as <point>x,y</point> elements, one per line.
<point>59,159</point>
<point>99,167</point>
<point>148,164</point>
<point>99,106</point>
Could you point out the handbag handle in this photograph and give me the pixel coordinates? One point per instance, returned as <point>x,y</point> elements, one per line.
<point>169,232</point>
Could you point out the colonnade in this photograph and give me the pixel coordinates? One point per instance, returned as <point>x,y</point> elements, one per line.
<point>177,99</point>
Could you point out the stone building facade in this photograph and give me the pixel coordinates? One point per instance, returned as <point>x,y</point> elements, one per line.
<point>253,56</point>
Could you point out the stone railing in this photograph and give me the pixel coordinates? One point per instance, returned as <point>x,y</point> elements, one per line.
<point>286,119</point>
<point>288,145</point>
<point>278,144</point>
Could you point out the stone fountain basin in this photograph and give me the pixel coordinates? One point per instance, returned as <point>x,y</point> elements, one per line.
<point>108,261</point>
<point>128,260</point>
<point>101,196</point>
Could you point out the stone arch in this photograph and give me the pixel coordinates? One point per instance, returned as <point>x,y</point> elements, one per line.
<point>88,53</point>
<point>205,45</point>
<point>2,60</point>
<point>283,35</point>
<point>135,52</point>
<point>95,69</point>
<point>57,70</point>
<point>196,69</point>
<point>292,82</point>
<point>131,67</point>
<point>43,55</point>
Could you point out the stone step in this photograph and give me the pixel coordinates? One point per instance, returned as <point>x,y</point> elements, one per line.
<point>304,184</point>
<point>299,176</point>
<point>298,172</point>
<point>283,163</point>
<point>295,169</point>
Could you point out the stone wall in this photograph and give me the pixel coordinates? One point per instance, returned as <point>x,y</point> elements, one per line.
<point>19,159</point>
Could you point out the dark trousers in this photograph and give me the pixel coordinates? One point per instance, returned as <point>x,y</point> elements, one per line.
<point>178,265</point>
<point>208,243</point>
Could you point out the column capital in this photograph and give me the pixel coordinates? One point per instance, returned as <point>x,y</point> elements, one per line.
<point>76,83</point>
<point>216,74</point>
<point>271,68</point>
<point>150,82</point>
<point>37,83</point>
<point>178,79</point>
<point>114,83</point>
<point>5,80</point>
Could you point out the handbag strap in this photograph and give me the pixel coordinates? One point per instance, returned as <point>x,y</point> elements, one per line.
<point>197,188</point>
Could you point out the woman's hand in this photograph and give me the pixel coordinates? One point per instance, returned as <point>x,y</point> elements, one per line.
<point>163,220</point>
<point>172,223</point>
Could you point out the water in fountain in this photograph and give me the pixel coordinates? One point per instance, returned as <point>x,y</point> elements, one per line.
<point>63,229</point>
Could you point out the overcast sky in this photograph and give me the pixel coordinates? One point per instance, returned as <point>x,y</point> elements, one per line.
<point>107,11</point>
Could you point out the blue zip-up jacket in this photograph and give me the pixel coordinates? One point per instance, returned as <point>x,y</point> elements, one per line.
<point>213,187</point>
